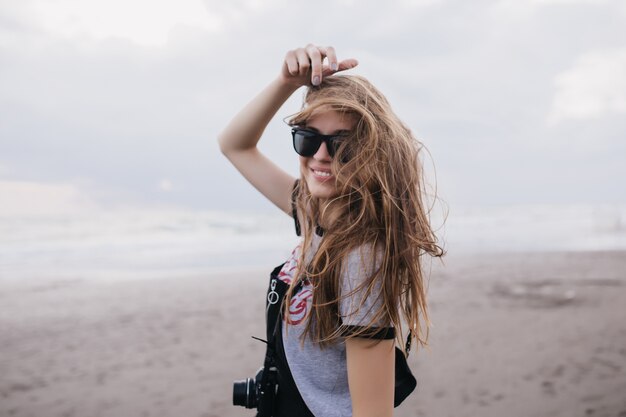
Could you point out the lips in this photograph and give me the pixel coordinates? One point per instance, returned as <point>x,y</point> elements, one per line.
<point>321,175</point>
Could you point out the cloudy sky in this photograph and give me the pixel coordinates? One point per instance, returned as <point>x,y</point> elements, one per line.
<point>120,101</point>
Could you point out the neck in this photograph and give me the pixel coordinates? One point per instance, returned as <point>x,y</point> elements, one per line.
<point>329,213</point>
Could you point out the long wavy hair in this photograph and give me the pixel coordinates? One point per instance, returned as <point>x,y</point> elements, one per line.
<point>380,205</point>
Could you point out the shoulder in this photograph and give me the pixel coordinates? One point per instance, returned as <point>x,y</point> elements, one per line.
<point>360,271</point>
<point>362,261</point>
<point>362,301</point>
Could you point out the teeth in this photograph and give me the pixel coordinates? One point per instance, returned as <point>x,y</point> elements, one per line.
<point>322,173</point>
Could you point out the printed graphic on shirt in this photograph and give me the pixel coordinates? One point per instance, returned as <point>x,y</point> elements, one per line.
<point>301,301</point>
<point>289,269</point>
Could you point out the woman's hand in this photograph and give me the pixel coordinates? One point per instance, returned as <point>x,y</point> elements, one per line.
<point>305,66</point>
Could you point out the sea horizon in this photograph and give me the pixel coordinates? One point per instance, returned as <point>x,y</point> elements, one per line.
<point>161,242</point>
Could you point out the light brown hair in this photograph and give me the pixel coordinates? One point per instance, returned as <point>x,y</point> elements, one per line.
<point>380,205</point>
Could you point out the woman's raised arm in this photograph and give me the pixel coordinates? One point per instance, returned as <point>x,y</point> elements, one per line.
<point>303,66</point>
<point>238,143</point>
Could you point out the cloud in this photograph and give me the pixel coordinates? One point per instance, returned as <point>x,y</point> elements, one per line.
<point>4,169</point>
<point>520,9</point>
<point>145,22</point>
<point>595,86</point>
<point>82,99</point>
<point>32,198</point>
<point>568,2</point>
<point>402,3</point>
<point>166,185</point>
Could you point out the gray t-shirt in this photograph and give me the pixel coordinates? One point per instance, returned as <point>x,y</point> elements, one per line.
<point>321,374</point>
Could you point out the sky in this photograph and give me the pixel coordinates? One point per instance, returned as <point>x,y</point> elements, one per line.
<point>119,102</point>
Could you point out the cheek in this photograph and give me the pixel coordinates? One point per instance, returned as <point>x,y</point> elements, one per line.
<point>303,164</point>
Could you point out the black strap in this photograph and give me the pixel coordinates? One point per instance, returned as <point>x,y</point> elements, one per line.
<point>289,401</point>
<point>407,346</point>
<point>294,209</point>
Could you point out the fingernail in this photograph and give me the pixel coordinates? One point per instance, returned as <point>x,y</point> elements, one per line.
<point>333,66</point>
<point>316,80</point>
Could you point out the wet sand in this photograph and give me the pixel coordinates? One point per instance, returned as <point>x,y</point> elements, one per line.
<point>537,334</point>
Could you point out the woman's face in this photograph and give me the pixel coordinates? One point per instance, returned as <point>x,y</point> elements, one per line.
<point>316,169</point>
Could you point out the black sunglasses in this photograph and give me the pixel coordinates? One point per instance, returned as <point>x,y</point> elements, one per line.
<point>307,142</point>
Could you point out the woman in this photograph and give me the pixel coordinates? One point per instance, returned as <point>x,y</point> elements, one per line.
<point>355,280</point>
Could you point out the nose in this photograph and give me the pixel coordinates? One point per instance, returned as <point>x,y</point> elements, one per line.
<point>322,153</point>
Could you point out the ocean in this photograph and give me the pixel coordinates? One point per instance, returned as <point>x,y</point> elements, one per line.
<point>153,242</point>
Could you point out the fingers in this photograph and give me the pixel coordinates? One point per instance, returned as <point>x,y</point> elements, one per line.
<point>347,64</point>
<point>291,61</point>
<point>329,51</point>
<point>304,63</point>
<point>308,63</point>
<point>297,63</point>
<point>316,57</point>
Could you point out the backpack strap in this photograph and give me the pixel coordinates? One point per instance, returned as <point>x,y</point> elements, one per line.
<point>294,209</point>
<point>289,402</point>
<point>407,346</point>
<point>273,304</point>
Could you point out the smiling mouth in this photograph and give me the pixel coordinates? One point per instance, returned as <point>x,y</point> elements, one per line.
<point>322,173</point>
<point>322,176</point>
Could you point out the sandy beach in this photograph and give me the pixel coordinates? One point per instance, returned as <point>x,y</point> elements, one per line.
<point>526,334</point>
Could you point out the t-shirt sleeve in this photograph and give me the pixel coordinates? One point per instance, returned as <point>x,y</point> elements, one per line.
<point>357,307</point>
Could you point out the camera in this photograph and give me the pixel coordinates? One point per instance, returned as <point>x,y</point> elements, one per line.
<point>258,392</point>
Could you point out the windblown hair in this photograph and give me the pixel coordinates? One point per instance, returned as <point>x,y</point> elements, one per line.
<point>379,205</point>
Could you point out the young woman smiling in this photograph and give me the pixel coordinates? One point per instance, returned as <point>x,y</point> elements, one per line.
<point>355,281</point>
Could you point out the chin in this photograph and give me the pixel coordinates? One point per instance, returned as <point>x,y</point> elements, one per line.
<point>322,191</point>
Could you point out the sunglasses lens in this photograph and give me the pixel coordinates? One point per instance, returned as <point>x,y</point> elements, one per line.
<point>305,143</point>
<point>332,145</point>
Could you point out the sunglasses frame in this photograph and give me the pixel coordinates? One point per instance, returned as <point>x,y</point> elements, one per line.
<point>332,141</point>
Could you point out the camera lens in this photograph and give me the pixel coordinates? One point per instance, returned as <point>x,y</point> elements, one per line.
<point>244,393</point>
